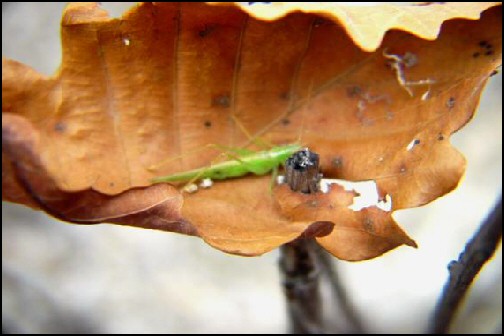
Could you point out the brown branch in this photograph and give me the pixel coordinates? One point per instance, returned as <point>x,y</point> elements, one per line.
<point>462,272</point>
<point>302,286</point>
<point>298,259</point>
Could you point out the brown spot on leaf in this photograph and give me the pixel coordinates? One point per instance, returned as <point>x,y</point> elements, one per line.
<point>450,103</point>
<point>285,95</point>
<point>221,100</point>
<point>337,162</point>
<point>368,225</point>
<point>60,127</point>
<point>319,22</point>
<point>208,28</point>
<point>354,91</point>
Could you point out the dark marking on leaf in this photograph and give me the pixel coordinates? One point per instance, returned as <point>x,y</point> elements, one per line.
<point>206,30</point>
<point>208,124</point>
<point>353,91</point>
<point>450,103</point>
<point>318,22</point>
<point>368,225</point>
<point>221,100</point>
<point>60,127</point>
<point>410,59</point>
<point>285,95</point>
<point>337,162</point>
<point>285,121</point>
<point>440,137</point>
<point>487,49</point>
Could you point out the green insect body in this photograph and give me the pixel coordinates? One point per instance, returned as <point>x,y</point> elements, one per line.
<point>258,163</point>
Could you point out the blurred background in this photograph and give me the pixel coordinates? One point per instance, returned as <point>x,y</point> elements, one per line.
<point>64,278</point>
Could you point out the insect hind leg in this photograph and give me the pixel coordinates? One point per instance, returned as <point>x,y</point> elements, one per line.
<point>223,149</point>
<point>251,139</point>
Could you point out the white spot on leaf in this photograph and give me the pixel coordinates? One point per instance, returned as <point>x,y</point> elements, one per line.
<point>206,183</point>
<point>190,188</point>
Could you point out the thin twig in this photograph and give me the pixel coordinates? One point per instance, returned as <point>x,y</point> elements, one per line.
<point>339,293</point>
<point>462,272</point>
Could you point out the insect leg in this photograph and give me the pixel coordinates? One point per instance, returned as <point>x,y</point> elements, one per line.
<point>194,179</point>
<point>251,139</point>
<point>238,151</point>
<point>222,148</point>
<point>273,178</point>
<point>164,162</point>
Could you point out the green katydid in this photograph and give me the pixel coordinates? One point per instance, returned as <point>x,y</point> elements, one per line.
<point>258,163</point>
<point>243,162</point>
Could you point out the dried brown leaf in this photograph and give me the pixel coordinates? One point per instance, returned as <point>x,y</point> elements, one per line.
<point>27,182</point>
<point>357,235</point>
<point>143,95</point>
<point>252,224</point>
